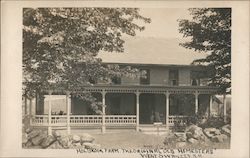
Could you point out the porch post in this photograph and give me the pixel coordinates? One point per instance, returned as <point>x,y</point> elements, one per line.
<point>137,110</point>
<point>224,108</point>
<point>68,104</point>
<point>30,110</point>
<point>49,115</point>
<point>167,108</point>
<point>196,102</point>
<point>25,105</point>
<point>103,111</point>
<point>210,105</point>
<point>30,106</point>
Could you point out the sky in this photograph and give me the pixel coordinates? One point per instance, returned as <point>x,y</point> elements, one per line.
<point>164,22</point>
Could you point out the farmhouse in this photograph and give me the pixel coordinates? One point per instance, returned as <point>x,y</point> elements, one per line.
<point>172,91</point>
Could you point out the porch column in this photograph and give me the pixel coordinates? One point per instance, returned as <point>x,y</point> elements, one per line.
<point>68,104</point>
<point>137,110</point>
<point>196,102</point>
<point>30,106</point>
<point>167,108</point>
<point>30,110</point>
<point>49,115</point>
<point>224,108</point>
<point>103,111</point>
<point>210,105</point>
<point>25,106</point>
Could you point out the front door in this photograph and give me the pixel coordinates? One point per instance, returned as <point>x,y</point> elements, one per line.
<point>146,108</point>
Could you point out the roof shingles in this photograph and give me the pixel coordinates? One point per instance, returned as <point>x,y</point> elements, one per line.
<point>150,50</point>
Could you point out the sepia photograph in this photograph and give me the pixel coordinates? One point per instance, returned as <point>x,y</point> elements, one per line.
<point>137,79</point>
<point>126,78</point>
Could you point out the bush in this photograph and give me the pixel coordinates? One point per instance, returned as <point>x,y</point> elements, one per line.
<point>196,119</point>
<point>201,121</point>
<point>213,122</point>
<point>179,127</point>
<point>207,122</point>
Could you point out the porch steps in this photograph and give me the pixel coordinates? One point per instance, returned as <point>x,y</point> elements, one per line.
<point>151,129</point>
<point>59,127</point>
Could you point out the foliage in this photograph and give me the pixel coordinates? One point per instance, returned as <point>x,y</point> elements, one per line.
<point>209,31</point>
<point>60,46</point>
<point>213,122</point>
<point>179,126</point>
<point>201,121</point>
<point>196,119</point>
<point>90,100</point>
<point>206,122</point>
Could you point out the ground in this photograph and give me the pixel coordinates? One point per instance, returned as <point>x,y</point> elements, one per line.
<point>133,139</point>
<point>128,139</point>
<point>137,140</point>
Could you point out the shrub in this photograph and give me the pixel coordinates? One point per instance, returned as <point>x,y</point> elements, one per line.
<point>179,127</point>
<point>213,122</point>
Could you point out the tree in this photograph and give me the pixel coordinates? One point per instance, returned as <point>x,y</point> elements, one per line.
<point>60,46</point>
<point>209,31</point>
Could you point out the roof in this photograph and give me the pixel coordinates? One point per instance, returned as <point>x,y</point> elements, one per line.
<point>158,65</point>
<point>151,50</point>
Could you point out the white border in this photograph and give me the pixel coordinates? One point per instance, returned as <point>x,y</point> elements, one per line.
<point>11,72</point>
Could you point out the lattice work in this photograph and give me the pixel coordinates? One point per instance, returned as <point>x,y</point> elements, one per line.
<point>93,90</point>
<point>181,91</point>
<point>206,91</point>
<point>120,91</point>
<point>152,91</point>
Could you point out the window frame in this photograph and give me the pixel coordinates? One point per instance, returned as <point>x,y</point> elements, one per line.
<point>171,79</point>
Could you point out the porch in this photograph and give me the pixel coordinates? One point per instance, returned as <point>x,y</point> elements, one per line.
<point>96,120</point>
<point>141,103</point>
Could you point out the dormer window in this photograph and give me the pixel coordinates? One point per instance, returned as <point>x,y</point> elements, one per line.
<point>174,77</point>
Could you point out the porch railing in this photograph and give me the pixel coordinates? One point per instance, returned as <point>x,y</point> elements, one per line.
<point>177,119</point>
<point>75,120</point>
<point>40,120</point>
<point>85,120</point>
<point>120,119</point>
<point>58,119</point>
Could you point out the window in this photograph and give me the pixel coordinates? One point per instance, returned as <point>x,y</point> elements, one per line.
<point>92,80</point>
<point>173,77</point>
<point>145,77</point>
<point>195,82</point>
<point>196,76</point>
<point>116,80</point>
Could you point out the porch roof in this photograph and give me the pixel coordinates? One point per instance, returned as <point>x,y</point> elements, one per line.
<point>99,88</point>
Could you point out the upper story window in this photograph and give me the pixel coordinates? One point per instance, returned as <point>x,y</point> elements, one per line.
<point>116,80</point>
<point>145,79</point>
<point>92,80</point>
<point>195,82</point>
<point>196,77</point>
<point>173,77</point>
